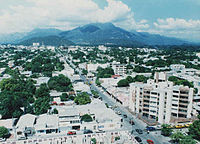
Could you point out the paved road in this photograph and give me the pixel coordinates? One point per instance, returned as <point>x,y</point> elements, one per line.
<point>155,136</point>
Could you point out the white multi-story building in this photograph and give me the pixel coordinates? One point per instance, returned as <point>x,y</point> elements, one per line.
<point>161,101</point>
<point>119,69</point>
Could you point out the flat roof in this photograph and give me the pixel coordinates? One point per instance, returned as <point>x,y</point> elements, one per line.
<point>26,121</point>
<point>8,123</point>
<point>46,121</point>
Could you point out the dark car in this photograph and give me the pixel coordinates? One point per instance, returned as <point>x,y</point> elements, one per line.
<point>87,131</point>
<point>138,139</point>
<point>125,116</point>
<point>150,128</point>
<point>139,131</point>
<point>131,122</point>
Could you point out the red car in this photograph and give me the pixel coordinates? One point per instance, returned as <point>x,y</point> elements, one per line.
<point>150,141</point>
<point>71,133</point>
<point>61,104</point>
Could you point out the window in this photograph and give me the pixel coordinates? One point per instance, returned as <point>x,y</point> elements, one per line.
<point>174,105</point>
<point>175,91</point>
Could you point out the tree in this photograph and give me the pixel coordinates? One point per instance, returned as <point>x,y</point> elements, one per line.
<point>194,129</point>
<point>16,93</point>
<point>82,98</point>
<point>140,78</point>
<point>98,83</point>
<point>64,97</point>
<point>173,78</point>
<point>93,140</point>
<point>84,71</point>
<point>165,130</point>
<point>129,79</point>
<point>123,83</point>
<point>95,94</point>
<point>60,83</point>
<point>41,105</point>
<point>177,136</point>
<point>105,73</point>
<point>3,132</point>
<point>187,140</point>
<point>86,118</point>
<point>42,91</point>
<point>10,104</point>
<point>178,81</point>
<point>55,111</point>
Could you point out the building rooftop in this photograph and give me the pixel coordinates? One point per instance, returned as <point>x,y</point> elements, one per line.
<point>46,121</point>
<point>27,120</point>
<point>8,123</point>
<point>97,108</point>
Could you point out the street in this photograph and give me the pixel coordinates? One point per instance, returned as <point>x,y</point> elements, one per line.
<point>155,136</point>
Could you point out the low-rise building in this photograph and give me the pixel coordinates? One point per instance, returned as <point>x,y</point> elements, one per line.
<point>93,67</point>
<point>41,80</point>
<point>46,124</point>
<point>177,67</point>
<point>81,87</point>
<point>103,117</point>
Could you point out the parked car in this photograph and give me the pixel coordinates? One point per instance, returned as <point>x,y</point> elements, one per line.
<point>150,128</point>
<point>61,104</point>
<point>119,113</point>
<point>139,131</point>
<point>138,139</point>
<point>132,122</point>
<point>87,131</point>
<point>125,116</point>
<point>2,139</point>
<point>100,131</point>
<point>71,133</point>
<point>171,126</point>
<point>150,141</point>
<point>179,126</point>
<point>187,125</point>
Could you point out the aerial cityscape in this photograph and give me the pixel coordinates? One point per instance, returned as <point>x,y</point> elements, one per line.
<point>99,72</point>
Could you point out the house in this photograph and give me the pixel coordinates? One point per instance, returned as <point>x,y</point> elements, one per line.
<point>177,67</point>
<point>46,124</point>
<point>8,123</point>
<point>25,126</point>
<point>41,80</point>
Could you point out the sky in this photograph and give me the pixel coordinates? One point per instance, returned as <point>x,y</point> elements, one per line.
<point>174,18</point>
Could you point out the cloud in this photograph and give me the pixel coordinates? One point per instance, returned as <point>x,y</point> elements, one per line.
<point>65,14</point>
<point>176,27</point>
<point>177,24</point>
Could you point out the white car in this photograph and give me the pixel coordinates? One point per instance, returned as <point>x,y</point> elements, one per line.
<point>2,139</point>
<point>119,113</point>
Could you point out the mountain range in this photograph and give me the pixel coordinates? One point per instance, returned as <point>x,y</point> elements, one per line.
<point>90,34</point>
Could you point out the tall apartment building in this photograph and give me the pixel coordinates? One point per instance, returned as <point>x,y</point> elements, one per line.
<point>161,100</point>
<point>119,69</point>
